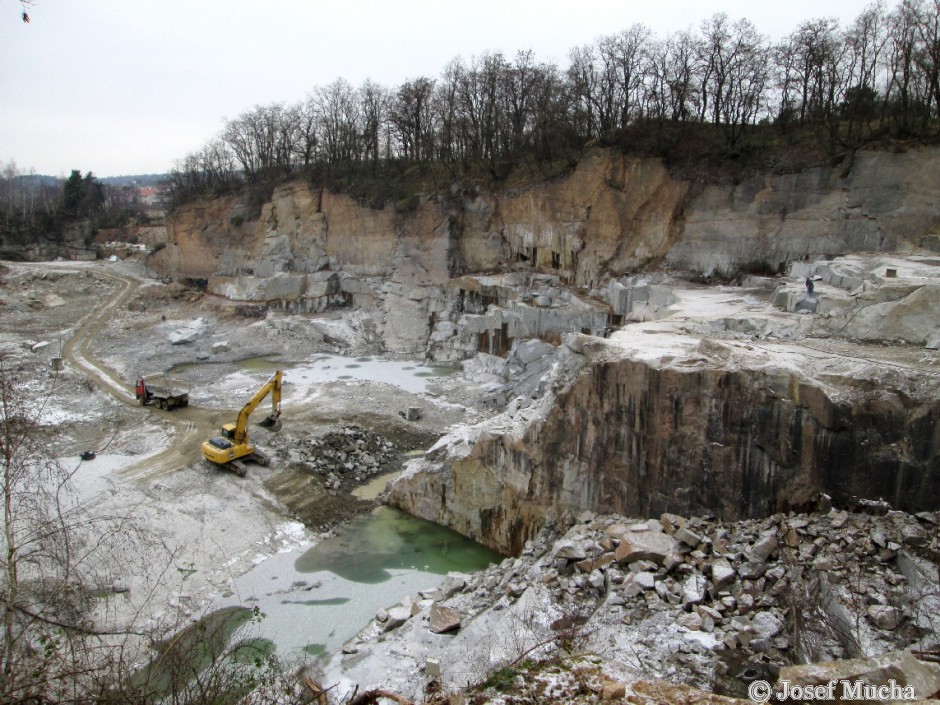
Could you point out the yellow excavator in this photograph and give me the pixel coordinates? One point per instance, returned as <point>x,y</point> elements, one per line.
<point>232,447</point>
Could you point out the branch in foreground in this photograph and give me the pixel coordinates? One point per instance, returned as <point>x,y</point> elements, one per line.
<point>370,697</point>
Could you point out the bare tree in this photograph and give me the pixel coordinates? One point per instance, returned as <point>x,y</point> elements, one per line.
<point>734,59</point>
<point>262,140</point>
<point>865,42</point>
<point>412,119</point>
<point>450,144</point>
<point>373,109</point>
<point>671,92</point>
<point>927,15</point>
<point>520,84</point>
<point>55,558</point>
<point>625,58</point>
<point>583,82</point>
<point>904,91</point>
<point>337,110</point>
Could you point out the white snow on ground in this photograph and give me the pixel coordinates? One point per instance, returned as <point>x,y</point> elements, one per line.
<point>303,382</point>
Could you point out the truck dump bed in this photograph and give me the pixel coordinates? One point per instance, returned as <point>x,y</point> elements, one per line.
<point>163,386</point>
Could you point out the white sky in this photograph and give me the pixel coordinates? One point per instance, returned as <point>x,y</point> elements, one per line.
<point>128,86</point>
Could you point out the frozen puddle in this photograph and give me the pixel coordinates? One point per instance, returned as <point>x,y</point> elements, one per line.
<point>302,380</point>
<point>410,376</point>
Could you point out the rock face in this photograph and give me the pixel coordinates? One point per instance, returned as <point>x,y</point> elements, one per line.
<point>706,428</point>
<point>308,250</point>
<point>611,215</point>
<point>882,204</point>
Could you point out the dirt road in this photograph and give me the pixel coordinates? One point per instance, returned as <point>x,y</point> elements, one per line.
<point>190,426</point>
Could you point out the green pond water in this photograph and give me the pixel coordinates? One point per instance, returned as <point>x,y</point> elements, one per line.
<point>316,598</point>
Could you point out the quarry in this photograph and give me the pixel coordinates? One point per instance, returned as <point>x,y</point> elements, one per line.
<point>698,426</point>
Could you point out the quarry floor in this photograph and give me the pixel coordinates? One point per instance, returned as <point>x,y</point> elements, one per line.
<point>197,526</point>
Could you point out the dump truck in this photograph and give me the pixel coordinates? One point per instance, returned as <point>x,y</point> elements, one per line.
<point>229,449</point>
<point>162,391</point>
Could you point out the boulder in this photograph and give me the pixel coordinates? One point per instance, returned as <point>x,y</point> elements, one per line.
<point>883,616</point>
<point>570,550</point>
<point>443,619</point>
<point>722,573</point>
<point>397,616</point>
<point>764,547</point>
<point>690,620</point>
<point>644,545</point>
<point>689,538</point>
<point>188,332</point>
<point>914,535</point>
<point>600,562</point>
<point>766,625</point>
<point>693,590</point>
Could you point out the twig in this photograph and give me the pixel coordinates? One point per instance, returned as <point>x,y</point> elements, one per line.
<point>371,696</point>
<point>319,694</point>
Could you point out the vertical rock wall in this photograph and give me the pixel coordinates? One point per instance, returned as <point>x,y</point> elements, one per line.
<point>691,437</point>
<point>611,216</point>
<point>880,202</point>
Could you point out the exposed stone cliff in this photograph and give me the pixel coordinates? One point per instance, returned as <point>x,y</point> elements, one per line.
<point>658,420</point>
<point>612,215</point>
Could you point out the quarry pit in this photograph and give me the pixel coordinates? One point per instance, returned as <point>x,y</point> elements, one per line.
<point>662,439</point>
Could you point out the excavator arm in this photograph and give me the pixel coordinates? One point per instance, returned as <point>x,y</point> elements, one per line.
<point>272,387</point>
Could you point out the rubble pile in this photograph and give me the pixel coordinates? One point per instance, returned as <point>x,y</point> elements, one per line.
<point>348,456</point>
<point>694,600</point>
<point>788,588</point>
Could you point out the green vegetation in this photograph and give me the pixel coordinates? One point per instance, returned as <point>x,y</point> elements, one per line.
<point>41,208</point>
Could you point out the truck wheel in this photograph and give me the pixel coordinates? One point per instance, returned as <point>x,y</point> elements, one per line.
<point>162,404</point>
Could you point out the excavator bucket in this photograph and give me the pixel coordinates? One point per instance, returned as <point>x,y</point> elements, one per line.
<point>272,422</point>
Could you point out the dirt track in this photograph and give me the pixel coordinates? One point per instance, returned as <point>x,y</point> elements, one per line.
<point>190,425</point>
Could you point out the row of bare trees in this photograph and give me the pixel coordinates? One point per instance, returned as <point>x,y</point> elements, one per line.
<point>23,195</point>
<point>878,73</point>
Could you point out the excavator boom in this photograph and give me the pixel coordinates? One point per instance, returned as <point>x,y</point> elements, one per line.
<point>272,387</point>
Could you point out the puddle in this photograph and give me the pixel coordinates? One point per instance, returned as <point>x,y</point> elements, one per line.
<point>370,549</point>
<point>181,658</point>
<point>376,486</point>
<point>315,600</point>
<point>92,478</point>
<point>405,374</point>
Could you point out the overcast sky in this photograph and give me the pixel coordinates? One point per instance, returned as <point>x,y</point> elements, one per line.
<point>129,86</point>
